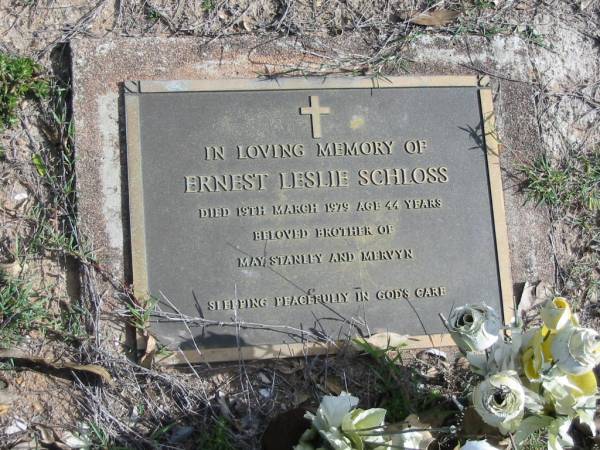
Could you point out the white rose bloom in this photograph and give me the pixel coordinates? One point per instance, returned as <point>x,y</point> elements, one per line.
<point>576,350</point>
<point>474,327</point>
<point>332,410</point>
<point>330,416</point>
<point>500,401</point>
<point>477,445</point>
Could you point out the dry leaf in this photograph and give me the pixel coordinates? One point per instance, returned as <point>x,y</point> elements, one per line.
<point>149,352</point>
<point>47,436</point>
<point>332,385</point>
<point>90,368</point>
<point>543,291</point>
<point>291,367</point>
<point>527,297</point>
<point>437,18</point>
<point>299,398</point>
<point>249,23</point>
<point>4,408</point>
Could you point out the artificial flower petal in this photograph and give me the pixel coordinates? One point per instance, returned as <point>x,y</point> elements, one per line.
<point>558,434</point>
<point>332,410</point>
<point>478,445</point>
<point>474,327</point>
<point>556,313</point>
<point>576,350</point>
<point>586,382</point>
<point>404,438</point>
<point>365,426</point>
<point>500,401</point>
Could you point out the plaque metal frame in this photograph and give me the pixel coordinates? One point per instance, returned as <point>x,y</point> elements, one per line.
<point>136,199</point>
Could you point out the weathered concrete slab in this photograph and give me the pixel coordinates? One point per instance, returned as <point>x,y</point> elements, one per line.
<point>101,67</point>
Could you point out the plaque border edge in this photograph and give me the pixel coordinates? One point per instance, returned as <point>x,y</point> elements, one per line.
<point>137,226</point>
<point>273,351</point>
<point>493,148</point>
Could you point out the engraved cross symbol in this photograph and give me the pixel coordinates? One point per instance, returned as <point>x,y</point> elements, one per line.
<point>315,112</point>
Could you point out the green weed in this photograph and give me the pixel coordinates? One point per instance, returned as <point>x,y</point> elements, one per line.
<point>484,4</point>
<point>218,437</point>
<point>21,310</point>
<point>571,188</point>
<point>573,184</point>
<point>545,184</point>
<point>54,220</point>
<point>152,14</point>
<point>49,236</point>
<point>139,315</point>
<point>71,323</point>
<point>20,78</point>
<point>535,441</point>
<point>529,34</point>
<point>401,393</point>
<point>208,5</point>
<point>388,371</point>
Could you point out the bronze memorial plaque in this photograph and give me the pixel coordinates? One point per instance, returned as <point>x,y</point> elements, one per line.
<point>274,218</point>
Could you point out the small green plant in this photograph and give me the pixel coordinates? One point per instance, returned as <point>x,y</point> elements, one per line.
<point>218,437</point>
<point>20,78</point>
<point>572,184</point>
<point>388,371</point>
<point>544,183</point>
<point>153,14</point>
<point>48,236</point>
<point>484,4</point>
<point>21,310</point>
<point>529,34</point>
<point>208,5</point>
<point>140,314</point>
<point>71,323</point>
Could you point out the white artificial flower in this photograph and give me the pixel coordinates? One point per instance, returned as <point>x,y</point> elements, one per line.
<point>405,438</point>
<point>305,442</point>
<point>474,327</point>
<point>568,393</point>
<point>329,418</point>
<point>336,439</point>
<point>478,445</point>
<point>332,410</point>
<point>576,350</point>
<point>500,401</point>
<point>365,426</point>
<point>556,314</point>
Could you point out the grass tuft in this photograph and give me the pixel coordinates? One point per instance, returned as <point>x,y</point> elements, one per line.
<point>218,437</point>
<point>574,184</point>
<point>20,78</point>
<point>21,310</point>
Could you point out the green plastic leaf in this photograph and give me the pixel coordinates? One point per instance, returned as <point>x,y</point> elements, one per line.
<point>530,425</point>
<point>558,436</point>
